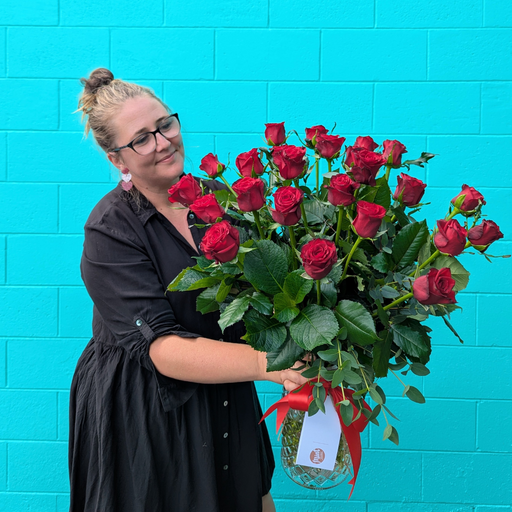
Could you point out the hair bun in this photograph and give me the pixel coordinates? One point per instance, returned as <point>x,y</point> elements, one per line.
<point>97,79</point>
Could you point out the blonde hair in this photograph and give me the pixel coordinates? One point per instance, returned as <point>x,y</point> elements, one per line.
<point>101,99</point>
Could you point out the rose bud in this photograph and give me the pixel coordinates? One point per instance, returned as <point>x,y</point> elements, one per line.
<point>471,201</point>
<point>275,134</point>
<point>366,143</point>
<point>290,161</point>
<point>328,146</point>
<point>313,132</point>
<point>249,162</point>
<point>249,194</point>
<point>220,242</point>
<point>211,165</point>
<point>393,151</point>
<point>207,208</point>
<point>364,164</point>
<point>451,237</point>
<point>368,219</point>
<point>287,201</point>
<point>318,257</point>
<point>409,190</point>
<point>341,190</point>
<point>484,234</point>
<point>186,191</point>
<point>436,287</point>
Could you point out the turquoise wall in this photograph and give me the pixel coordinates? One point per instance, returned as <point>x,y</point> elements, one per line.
<point>436,75</point>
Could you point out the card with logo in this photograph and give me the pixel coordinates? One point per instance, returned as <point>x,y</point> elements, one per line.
<point>320,438</point>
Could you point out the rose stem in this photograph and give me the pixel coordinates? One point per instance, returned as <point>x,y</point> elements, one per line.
<point>397,301</point>
<point>455,211</point>
<point>227,184</point>
<point>317,170</point>
<point>338,227</point>
<point>318,293</point>
<point>388,170</point>
<point>293,243</point>
<point>302,210</point>
<point>433,257</point>
<point>350,254</point>
<point>258,223</point>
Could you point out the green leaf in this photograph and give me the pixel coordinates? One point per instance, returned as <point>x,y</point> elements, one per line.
<point>329,355</point>
<point>414,394</point>
<point>372,416</point>
<point>263,333</point>
<point>376,396</point>
<point>459,273</point>
<point>185,279</point>
<point>390,413</point>
<point>383,262</point>
<point>316,212</point>
<point>337,378</point>
<point>391,434</point>
<point>234,312</point>
<point>358,321</point>
<point>408,242</point>
<point>381,353</point>
<point>383,195</point>
<point>262,303</point>
<point>204,283</point>
<point>314,326</point>
<point>285,357</point>
<point>412,339</point>
<point>389,293</point>
<point>206,302</point>
<point>419,369</point>
<point>424,253</point>
<point>313,408</point>
<point>352,378</point>
<point>266,268</point>
<point>224,289</point>
<point>296,286</point>
<point>347,412</point>
<point>285,309</point>
<point>328,294</point>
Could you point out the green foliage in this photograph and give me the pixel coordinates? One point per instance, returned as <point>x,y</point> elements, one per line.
<point>314,326</point>
<point>358,322</point>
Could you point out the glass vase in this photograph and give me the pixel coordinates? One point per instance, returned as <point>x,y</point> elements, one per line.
<point>309,477</point>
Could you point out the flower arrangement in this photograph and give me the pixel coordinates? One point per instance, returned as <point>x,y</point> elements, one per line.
<point>341,272</point>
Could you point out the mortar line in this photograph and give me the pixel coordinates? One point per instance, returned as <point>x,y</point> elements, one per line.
<point>214,49</point>
<point>321,37</point>
<point>427,63</point>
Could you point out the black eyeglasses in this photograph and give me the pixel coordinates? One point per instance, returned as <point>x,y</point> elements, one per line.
<point>145,143</point>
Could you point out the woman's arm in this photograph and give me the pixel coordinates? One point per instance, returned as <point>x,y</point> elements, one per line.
<point>209,361</point>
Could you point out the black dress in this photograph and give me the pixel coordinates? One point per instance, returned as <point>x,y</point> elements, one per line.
<point>140,441</point>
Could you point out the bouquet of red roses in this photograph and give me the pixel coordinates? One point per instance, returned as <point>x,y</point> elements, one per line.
<point>341,270</point>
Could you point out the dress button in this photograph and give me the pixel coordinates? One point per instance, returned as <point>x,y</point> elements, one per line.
<point>225,467</point>
<point>225,403</point>
<point>220,339</point>
<point>138,322</point>
<point>225,435</point>
<point>190,215</point>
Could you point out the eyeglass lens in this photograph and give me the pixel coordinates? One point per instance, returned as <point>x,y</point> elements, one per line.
<point>146,142</point>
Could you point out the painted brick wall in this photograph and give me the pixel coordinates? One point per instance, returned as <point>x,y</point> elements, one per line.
<point>436,75</point>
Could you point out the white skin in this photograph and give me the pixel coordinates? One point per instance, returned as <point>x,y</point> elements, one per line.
<point>202,360</point>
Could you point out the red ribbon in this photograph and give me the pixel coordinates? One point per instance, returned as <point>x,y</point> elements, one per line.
<point>300,399</point>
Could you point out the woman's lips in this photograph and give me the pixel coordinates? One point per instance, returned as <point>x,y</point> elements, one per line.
<point>168,158</point>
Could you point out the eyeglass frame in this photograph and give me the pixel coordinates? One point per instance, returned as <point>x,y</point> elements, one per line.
<point>154,132</point>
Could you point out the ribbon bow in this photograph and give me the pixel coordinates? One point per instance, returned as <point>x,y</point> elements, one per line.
<point>300,399</point>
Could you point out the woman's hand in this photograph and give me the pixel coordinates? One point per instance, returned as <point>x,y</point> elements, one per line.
<point>290,378</point>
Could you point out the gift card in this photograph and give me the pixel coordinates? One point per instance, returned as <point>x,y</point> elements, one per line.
<point>320,438</point>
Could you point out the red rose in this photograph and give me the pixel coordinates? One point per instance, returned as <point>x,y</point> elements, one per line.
<point>368,219</point>
<point>220,242</point>
<point>290,161</point>
<point>207,208</point>
<point>366,143</point>
<point>249,194</point>
<point>249,162</point>
<point>411,190</point>
<point>341,190</point>
<point>436,287</point>
<point>211,165</point>
<point>393,151</point>
<point>186,191</point>
<point>287,201</point>
<point>451,237</point>
<point>472,199</point>
<point>275,134</point>
<point>484,234</point>
<point>364,164</point>
<point>327,146</point>
<point>315,131</point>
<point>318,257</point>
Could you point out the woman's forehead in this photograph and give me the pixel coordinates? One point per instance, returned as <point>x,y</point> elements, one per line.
<point>138,115</point>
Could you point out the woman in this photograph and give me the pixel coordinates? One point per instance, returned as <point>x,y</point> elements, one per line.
<point>163,414</point>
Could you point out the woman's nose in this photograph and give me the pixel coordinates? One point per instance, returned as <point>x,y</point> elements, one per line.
<point>161,142</point>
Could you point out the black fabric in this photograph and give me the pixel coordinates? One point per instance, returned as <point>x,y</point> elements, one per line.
<point>140,441</point>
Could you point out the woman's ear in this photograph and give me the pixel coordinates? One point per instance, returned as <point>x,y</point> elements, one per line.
<point>116,160</point>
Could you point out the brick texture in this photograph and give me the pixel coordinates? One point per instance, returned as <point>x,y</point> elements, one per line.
<point>435,75</point>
